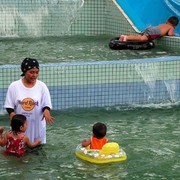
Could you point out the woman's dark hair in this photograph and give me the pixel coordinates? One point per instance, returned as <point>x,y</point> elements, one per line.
<point>99,130</point>
<point>18,120</point>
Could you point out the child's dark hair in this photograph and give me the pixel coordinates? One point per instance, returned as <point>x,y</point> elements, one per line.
<point>18,120</point>
<point>99,130</point>
<point>173,20</point>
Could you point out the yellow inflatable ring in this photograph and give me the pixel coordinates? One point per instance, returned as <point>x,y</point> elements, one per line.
<point>111,152</point>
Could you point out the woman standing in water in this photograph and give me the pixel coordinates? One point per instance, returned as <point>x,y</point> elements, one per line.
<point>30,97</point>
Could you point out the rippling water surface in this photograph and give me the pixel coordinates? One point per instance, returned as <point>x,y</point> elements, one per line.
<point>72,49</point>
<point>149,136</point>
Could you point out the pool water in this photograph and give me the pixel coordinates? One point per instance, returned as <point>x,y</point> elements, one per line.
<point>72,49</point>
<point>149,136</point>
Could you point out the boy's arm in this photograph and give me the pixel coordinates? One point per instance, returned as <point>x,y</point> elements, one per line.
<point>171,32</point>
<point>31,145</point>
<point>86,142</point>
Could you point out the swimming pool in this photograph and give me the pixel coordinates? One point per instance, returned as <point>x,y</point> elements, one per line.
<point>77,64</point>
<point>149,136</point>
<point>77,48</point>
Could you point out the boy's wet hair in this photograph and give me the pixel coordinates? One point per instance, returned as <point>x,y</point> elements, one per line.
<point>99,130</point>
<point>18,120</point>
<point>173,20</point>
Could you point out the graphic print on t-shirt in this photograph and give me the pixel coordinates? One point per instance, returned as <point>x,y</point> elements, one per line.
<point>28,104</point>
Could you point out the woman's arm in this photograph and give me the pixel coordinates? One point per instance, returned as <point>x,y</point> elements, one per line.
<point>11,113</point>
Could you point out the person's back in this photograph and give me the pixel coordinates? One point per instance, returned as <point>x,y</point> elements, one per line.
<point>168,28</point>
<point>97,143</point>
<point>15,143</point>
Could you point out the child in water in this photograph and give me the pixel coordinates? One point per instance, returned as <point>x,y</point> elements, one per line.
<point>154,32</point>
<point>98,138</point>
<point>15,139</point>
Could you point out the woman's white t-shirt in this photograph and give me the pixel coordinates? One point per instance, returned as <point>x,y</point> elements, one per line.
<point>30,102</point>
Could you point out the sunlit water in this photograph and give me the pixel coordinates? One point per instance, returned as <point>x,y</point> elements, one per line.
<point>72,49</point>
<point>149,136</point>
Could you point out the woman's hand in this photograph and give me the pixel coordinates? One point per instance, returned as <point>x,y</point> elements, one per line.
<point>47,115</point>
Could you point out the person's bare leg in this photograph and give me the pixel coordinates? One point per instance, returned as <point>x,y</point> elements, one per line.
<point>137,38</point>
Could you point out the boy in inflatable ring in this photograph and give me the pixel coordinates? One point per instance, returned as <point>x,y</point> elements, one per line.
<point>154,32</point>
<point>98,138</point>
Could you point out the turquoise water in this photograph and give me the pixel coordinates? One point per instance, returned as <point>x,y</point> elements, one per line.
<point>72,49</point>
<point>149,136</point>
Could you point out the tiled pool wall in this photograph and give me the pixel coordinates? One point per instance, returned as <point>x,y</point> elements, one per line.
<point>105,84</point>
<point>116,83</point>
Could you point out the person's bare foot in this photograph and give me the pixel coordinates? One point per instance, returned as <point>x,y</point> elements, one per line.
<point>123,38</point>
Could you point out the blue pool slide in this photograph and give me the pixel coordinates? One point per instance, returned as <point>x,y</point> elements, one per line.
<point>144,13</point>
